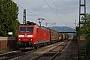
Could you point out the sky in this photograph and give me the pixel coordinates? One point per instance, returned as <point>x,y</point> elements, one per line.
<point>55,12</point>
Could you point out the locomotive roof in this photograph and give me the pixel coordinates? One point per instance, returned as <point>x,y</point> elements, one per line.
<point>29,23</point>
<point>43,27</point>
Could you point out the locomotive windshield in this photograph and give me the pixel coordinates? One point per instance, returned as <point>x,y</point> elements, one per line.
<point>22,29</point>
<point>26,29</point>
<point>30,29</point>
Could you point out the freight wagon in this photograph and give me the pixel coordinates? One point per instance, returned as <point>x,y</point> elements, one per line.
<point>55,36</point>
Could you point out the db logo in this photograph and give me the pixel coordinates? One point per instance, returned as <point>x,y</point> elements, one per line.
<point>25,35</point>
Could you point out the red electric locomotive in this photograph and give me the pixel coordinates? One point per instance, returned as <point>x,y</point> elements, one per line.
<point>30,35</point>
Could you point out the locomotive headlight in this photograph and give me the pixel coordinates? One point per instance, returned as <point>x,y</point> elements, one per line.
<point>19,39</point>
<point>31,39</point>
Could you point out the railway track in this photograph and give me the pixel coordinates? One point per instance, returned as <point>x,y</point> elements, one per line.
<point>52,53</point>
<point>49,52</point>
<point>10,55</point>
<point>37,53</point>
<point>7,55</point>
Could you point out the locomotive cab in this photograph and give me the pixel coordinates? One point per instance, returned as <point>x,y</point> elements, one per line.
<point>26,35</point>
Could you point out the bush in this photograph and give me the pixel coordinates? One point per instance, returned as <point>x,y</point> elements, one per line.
<point>7,49</point>
<point>88,46</point>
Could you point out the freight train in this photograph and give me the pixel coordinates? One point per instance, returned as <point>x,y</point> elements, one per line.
<point>31,35</point>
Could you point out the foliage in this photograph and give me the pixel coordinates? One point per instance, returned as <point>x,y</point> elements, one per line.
<point>8,17</point>
<point>87,28</point>
<point>88,46</point>
<point>7,49</point>
<point>88,35</point>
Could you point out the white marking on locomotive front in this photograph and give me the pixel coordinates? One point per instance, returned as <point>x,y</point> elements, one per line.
<point>29,35</point>
<point>20,35</point>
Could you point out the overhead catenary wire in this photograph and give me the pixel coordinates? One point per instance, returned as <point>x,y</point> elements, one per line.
<point>33,8</point>
<point>54,5</point>
<point>51,9</point>
<point>29,11</point>
<point>54,12</point>
<point>40,13</point>
<point>59,16</point>
<point>26,9</point>
<point>56,8</point>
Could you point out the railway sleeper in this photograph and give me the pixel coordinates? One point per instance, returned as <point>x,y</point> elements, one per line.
<point>49,54</point>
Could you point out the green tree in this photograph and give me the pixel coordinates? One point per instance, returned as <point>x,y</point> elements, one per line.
<point>88,34</point>
<point>87,23</point>
<point>8,17</point>
<point>87,27</point>
<point>88,46</point>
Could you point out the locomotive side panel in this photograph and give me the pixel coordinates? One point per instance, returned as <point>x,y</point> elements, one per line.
<point>42,35</point>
